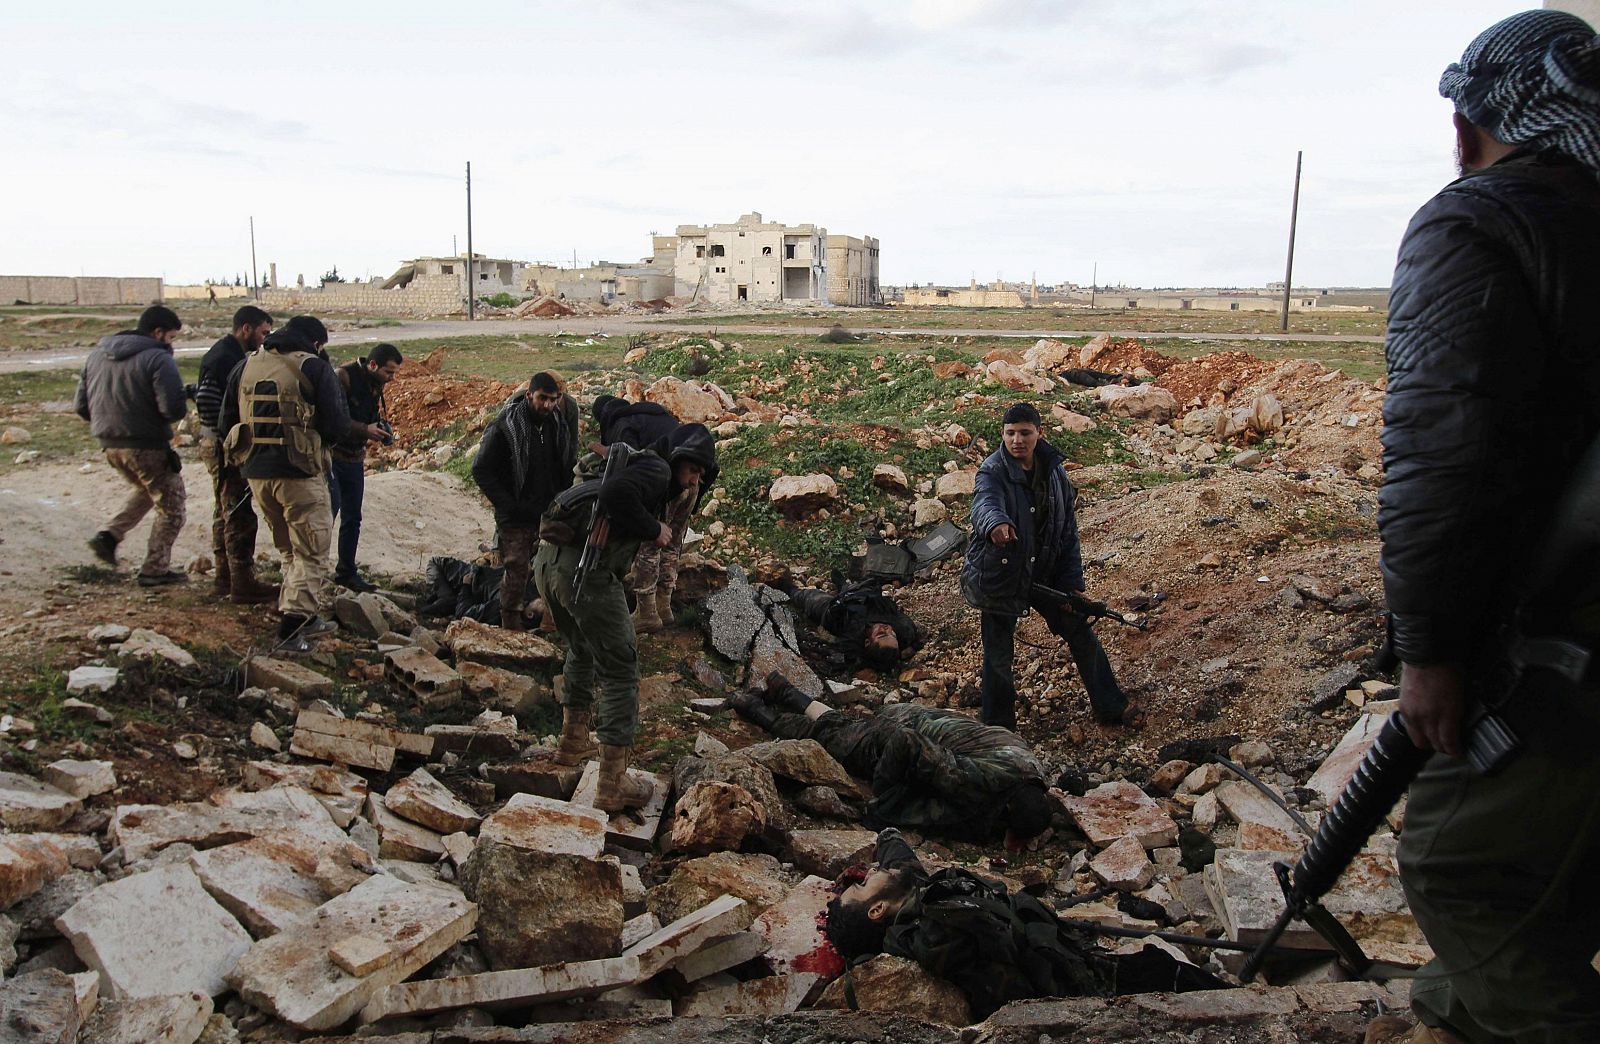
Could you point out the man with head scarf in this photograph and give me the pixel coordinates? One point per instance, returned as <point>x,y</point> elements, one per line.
<point>1494,397</point>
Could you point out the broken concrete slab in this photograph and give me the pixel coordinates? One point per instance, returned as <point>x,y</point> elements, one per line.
<point>423,675</point>
<point>35,916</point>
<point>720,954</point>
<point>803,760</point>
<point>748,624</point>
<point>1367,900</point>
<point>636,929</point>
<point>1114,810</point>
<point>143,830</point>
<point>87,985</point>
<point>827,853</point>
<point>40,1008</point>
<point>271,882</point>
<point>539,775</point>
<point>341,750</point>
<point>546,825</point>
<point>423,799</point>
<point>154,934</point>
<point>341,793</point>
<point>379,738</point>
<point>293,975</point>
<point>27,863</point>
<point>176,1019</point>
<point>400,838</point>
<point>1335,771</point>
<point>794,934</point>
<point>498,989</point>
<point>458,847</point>
<point>361,954</point>
<point>1250,808</point>
<point>473,741</point>
<point>521,651</point>
<point>664,948</point>
<point>81,779</point>
<point>635,828</point>
<point>774,995</point>
<point>149,646</point>
<point>1123,865</point>
<point>889,983</point>
<point>296,679</point>
<point>507,690</point>
<point>27,804</point>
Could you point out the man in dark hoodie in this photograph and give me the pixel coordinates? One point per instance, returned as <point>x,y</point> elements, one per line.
<point>1025,531</point>
<point>363,381</point>
<point>131,395</point>
<point>233,516</point>
<point>283,408</point>
<point>655,569</point>
<point>525,459</point>
<point>601,644</point>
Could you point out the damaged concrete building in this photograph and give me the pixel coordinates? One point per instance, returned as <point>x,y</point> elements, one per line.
<point>752,260</point>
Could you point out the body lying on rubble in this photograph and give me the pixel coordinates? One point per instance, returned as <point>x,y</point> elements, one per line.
<point>931,770</point>
<point>868,628</point>
<point>995,945</point>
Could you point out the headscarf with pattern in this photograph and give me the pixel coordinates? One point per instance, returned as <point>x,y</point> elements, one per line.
<point>1533,80</point>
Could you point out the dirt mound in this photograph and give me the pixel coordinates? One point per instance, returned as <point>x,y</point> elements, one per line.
<point>421,399</point>
<point>1129,356</point>
<point>1212,380</point>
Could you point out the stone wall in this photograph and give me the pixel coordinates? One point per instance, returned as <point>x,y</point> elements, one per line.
<point>424,295</point>
<point>80,290</point>
<point>197,292</point>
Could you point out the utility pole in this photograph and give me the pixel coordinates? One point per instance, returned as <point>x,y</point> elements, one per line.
<point>1094,283</point>
<point>255,283</point>
<point>471,286</point>
<point>1294,217</point>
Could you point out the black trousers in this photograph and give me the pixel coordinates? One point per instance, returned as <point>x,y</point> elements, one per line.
<point>999,687</point>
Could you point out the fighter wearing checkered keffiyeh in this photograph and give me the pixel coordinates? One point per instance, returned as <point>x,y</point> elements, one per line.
<point>1533,80</point>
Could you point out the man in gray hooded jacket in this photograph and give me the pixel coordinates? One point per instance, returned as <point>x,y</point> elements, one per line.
<point>131,395</point>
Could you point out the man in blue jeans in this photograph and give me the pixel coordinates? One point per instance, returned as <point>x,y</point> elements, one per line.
<point>1025,532</point>
<point>362,381</point>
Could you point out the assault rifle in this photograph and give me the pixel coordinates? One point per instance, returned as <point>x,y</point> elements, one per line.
<point>599,532</point>
<point>1087,606</point>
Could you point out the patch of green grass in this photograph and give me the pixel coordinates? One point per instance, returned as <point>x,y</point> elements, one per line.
<point>93,574</point>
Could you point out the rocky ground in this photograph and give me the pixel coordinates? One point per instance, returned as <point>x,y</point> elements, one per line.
<point>402,771</point>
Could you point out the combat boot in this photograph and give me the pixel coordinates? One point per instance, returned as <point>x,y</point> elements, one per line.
<point>664,605</point>
<point>618,790</point>
<point>645,618</point>
<point>245,589</point>
<point>221,584</point>
<point>754,709</point>
<point>575,747</point>
<point>783,694</point>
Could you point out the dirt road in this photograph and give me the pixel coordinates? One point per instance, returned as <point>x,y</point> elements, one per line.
<point>50,511</point>
<point>422,329</point>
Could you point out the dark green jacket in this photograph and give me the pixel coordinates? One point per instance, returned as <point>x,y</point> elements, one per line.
<point>942,772</point>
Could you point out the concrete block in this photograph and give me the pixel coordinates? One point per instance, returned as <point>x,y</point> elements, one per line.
<point>342,751</point>
<point>382,735</point>
<point>361,954</point>
<point>341,793</point>
<point>636,929</point>
<point>826,853</point>
<point>81,779</point>
<point>27,804</point>
<point>545,825</point>
<point>296,679</point>
<point>683,937</point>
<point>424,676</point>
<point>500,989</point>
<point>422,799</point>
<point>400,838</point>
<point>774,995</point>
<point>1341,763</point>
<point>271,882</point>
<point>539,775</point>
<point>176,1019</point>
<point>635,828</point>
<point>1117,809</point>
<point>521,651</point>
<point>360,614</point>
<point>793,933</point>
<point>293,974</point>
<point>473,741</point>
<point>155,934</point>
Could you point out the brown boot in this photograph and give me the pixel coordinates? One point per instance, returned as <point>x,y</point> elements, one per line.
<point>576,747</point>
<point>245,589</point>
<point>645,618</point>
<point>221,586</point>
<point>664,605</point>
<point>618,790</point>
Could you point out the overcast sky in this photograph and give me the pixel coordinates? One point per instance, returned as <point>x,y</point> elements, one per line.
<point>973,137</point>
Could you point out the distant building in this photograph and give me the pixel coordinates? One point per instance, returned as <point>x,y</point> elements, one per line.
<point>751,260</point>
<point>492,275</point>
<point>853,271</point>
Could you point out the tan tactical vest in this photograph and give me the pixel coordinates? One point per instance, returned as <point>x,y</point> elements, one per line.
<point>276,408</point>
